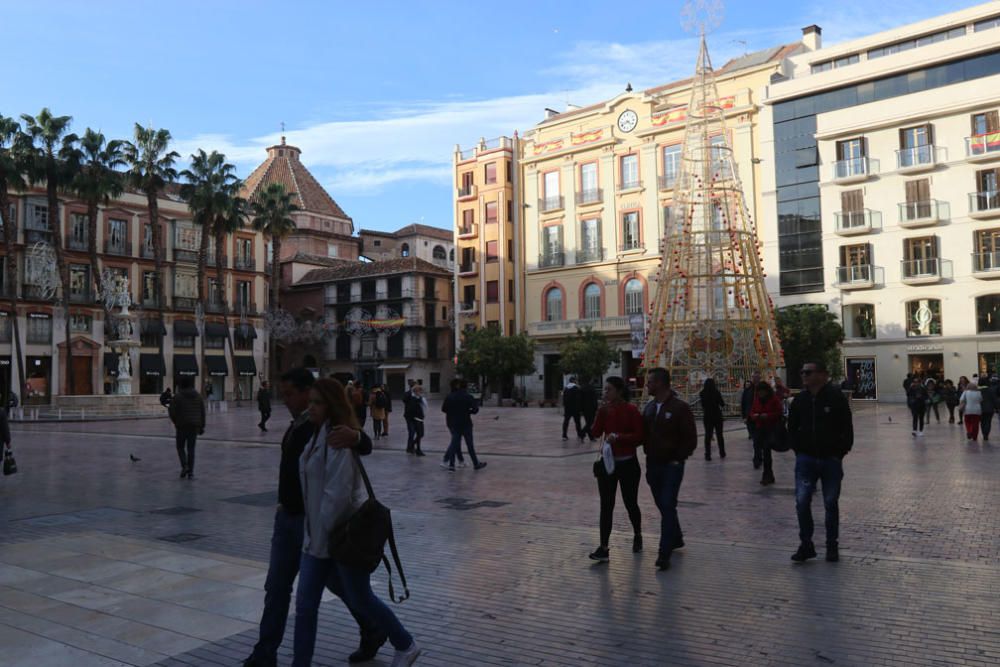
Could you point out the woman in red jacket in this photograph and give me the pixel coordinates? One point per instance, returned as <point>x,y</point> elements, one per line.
<point>620,423</point>
<point>766,415</point>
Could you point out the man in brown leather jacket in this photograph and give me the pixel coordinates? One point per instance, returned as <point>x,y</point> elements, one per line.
<point>670,438</point>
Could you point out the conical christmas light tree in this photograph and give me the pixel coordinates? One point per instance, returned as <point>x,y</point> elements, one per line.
<point>711,316</point>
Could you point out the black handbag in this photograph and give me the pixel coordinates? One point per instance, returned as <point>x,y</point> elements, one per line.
<point>9,464</point>
<point>778,439</point>
<point>360,541</point>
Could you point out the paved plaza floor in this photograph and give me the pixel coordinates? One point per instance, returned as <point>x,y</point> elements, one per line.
<point>106,561</point>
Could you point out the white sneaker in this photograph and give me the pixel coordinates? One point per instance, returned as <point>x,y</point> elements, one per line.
<point>462,464</point>
<point>407,657</point>
<point>920,434</point>
<point>444,464</point>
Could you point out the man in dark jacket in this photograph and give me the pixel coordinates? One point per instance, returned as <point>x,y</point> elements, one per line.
<point>264,404</point>
<point>746,403</point>
<point>821,431</point>
<point>286,540</point>
<point>588,405</point>
<point>989,406</point>
<point>571,408</point>
<point>458,407</point>
<point>408,416</point>
<point>670,438</point>
<point>187,412</point>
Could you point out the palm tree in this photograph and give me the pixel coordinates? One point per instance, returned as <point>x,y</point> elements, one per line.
<point>271,210</point>
<point>207,189</point>
<point>49,148</point>
<point>231,217</point>
<point>97,183</point>
<point>11,178</point>
<point>151,167</point>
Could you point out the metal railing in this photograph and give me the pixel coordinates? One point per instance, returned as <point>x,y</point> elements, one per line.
<point>246,263</point>
<point>74,243</point>
<point>634,244</point>
<point>851,168</point>
<point>984,201</point>
<point>37,236</point>
<point>986,261</point>
<point>855,273</point>
<point>467,154</point>
<point>147,252</point>
<point>629,185</point>
<point>81,297</point>
<point>982,144</point>
<point>550,203</point>
<point>915,156</point>
<point>112,247</point>
<point>592,196</point>
<point>551,259</point>
<point>469,307</point>
<point>584,255</point>
<point>467,191</point>
<point>498,142</point>
<point>468,232</point>
<point>616,323</point>
<point>666,182</point>
<point>468,268</point>
<point>181,255</point>
<point>185,303</point>
<point>846,221</point>
<point>214,306</point>
<point>913,211</point>
<point>921,268</point>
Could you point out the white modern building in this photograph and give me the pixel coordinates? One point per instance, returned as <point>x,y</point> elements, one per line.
<point>883,202</point>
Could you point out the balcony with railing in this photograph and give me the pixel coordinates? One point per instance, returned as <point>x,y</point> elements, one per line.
<point>36,293</point>
<point>666,182</point>
<point>467,192</point>
<point>592,196</point>
<point>117,247</point>
<point>586,255</point>
<point>147,251</point>
<point>470,231</point>
<point>850,223</point>
<point>631,245</point>
<point>924,271</point>
<point>213,305</point>
<point>485,146</point>
<point>854,170</point>
<point>37,236</point>
<point>244,263</point>
<point>858,276</point>
<point>983,147</point>
<point>616,324</point>
<point>210,260</point>
<point>469,268</point>
<point>468,307</point>
<point>625,186</point>
<point>185,302</point>
<point>81,296</point>
<point>248,307</point>
<point>549,204</point>
<point>916,158</point>
<point>551,259</point>
<point>185,255</point>
<point>80,244</point>
<point>919,213</point>
<point>986,265</point>
<point>984,204</point>
<point>150,302</point>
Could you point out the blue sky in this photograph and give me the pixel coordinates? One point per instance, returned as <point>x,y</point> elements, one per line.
<point>375,93</point>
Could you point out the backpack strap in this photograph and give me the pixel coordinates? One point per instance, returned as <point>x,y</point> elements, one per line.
<point>392,541</point>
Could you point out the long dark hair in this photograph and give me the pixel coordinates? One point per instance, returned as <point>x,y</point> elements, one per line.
<point>338,409</point>
<point>619,385</point>
<point>765,388</point>
<point>709,387</point>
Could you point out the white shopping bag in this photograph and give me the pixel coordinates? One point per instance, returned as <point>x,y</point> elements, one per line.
<point>608,457</point>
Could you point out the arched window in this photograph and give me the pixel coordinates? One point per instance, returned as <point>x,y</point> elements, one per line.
<point>633,297</point>
<point>591,302</point>
<point>404,250</point>
<point>553,304</point>
<point>439,253</point>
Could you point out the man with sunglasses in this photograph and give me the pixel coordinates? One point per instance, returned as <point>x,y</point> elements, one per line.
<point>821,431</point>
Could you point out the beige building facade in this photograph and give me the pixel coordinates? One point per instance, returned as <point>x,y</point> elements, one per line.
<point>883,201</point>
<point>596,191</point>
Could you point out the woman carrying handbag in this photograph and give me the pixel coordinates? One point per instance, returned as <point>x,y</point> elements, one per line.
<point>766,414</point>
<point>333,490</point>
<point>620,424</point>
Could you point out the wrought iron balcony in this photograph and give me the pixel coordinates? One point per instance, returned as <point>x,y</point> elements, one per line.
<point>245,263</point>
<point>182,255</point>
<point>468,269</point>
<point>117,247</point>
<point>548,204</point>
<point>550,259</point>
<point>81,297</point>
<point>634,244</point>
<point>185,303</point>
<point>629,185</point>
<point>74,243</point>
<point>467,192</point>
<point>592,196</point>
<point>585,255</point>
<point>469,231</point>
<point>666,182</point>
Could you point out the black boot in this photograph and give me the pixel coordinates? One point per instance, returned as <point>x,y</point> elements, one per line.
<point>805,552</point>
<point>370,645</point>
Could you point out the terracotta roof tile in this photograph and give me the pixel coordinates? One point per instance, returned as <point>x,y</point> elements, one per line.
<point>415,229</point>
<point>318,260</point>
<point>353,270</point>
<point>290,172</point>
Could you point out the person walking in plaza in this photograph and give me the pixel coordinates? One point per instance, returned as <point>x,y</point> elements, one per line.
<point>620,423</point>
<point>166,397</point>
<point>971,406</point>
<point>821,431</point>
<point>287,535</point>
<point>712,406</point>
<point>669,438</point>
<point>377,407</point>
<point>264,404</point>
<point>950,396</point>
<point>187,412</point>
<point>588,405</point>
<point>407,395</point>
<point>935,396</point>
<point>571,409</point>
<point>766,414</point>
<point>388,410</point>
<point>414,410</point>
<point>458,407</point>
<point>916,400</point>
<point>746,402</point>
<point>989,403</point>
<point>332,490</point>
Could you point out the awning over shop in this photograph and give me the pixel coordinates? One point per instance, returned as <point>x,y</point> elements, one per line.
<point>216,365</point>
<point>245,331</point>
<point>185,364</point>
<point>152,365</point>
<point>393,367</point>
<point>245,366</point>
<point>215,330</point>
<point>151,327</point>
<point>185,328</point>
<point>111,364</point>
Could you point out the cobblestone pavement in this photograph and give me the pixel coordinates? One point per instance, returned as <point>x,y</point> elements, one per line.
<point>105,561</point>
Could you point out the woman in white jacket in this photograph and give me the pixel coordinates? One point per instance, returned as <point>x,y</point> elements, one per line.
<point>971,405</point>
<point>333,490</point>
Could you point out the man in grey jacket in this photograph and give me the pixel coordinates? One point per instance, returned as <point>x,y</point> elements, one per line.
<point>187,412</point>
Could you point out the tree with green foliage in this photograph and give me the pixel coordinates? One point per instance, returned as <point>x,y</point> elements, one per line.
<point>586,355</point>
<point>97,182</point>
<point>11,178</point>
<point>487,353</point>
<point>810,332</point>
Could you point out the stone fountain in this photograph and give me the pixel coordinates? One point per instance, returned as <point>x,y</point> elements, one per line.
<point>115,290</point>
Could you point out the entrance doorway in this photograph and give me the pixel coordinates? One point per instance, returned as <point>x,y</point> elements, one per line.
<point>930,365</point>
<point>83,382</point>
<point>553,377</point>
<point>38,371</point>
<point>396,384</point>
